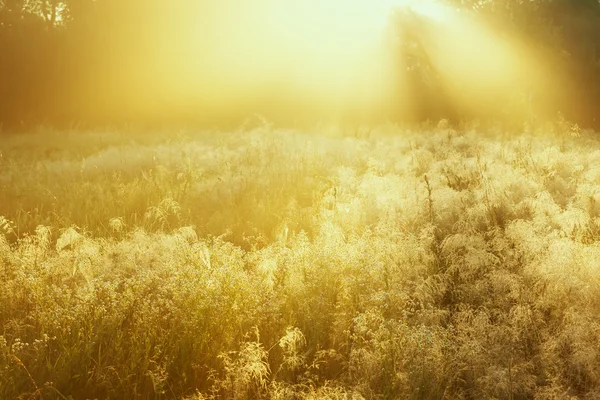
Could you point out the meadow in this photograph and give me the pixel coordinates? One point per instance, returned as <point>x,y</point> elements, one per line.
<point>363,263</point>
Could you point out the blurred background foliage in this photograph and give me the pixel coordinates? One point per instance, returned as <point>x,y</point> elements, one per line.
<point>106,61</point>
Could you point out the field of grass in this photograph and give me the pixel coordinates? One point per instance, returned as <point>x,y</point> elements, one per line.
<point>381,263</point>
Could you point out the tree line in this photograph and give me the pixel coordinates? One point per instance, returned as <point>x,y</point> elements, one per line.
<point>91,61</point>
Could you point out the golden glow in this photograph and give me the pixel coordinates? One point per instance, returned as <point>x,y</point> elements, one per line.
<point>331,55</point>
<point>476,65</point>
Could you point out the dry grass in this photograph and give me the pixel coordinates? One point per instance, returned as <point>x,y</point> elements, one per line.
<point>273,264</point>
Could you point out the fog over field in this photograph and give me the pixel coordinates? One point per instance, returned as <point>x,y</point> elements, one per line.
<point>286,200</point>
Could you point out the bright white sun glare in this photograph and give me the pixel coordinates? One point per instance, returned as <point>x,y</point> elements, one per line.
<point>332,52</point>
<point>333,48</point>
<point>310,35</point>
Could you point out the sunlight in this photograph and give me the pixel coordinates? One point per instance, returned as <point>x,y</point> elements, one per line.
<point>299,199</point>
<point>433,9</point>
<point>476,66</point>
<point>332,52</point>
<point>329,56</point>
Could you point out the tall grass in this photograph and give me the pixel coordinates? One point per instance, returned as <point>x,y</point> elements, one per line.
<point>271,264</point>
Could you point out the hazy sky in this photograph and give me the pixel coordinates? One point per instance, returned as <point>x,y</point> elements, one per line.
<point>332,54</point>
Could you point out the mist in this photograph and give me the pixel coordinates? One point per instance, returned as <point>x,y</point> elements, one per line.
<point>287,61</point>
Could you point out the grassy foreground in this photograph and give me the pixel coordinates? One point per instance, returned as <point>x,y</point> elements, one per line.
<point>265,264</point>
